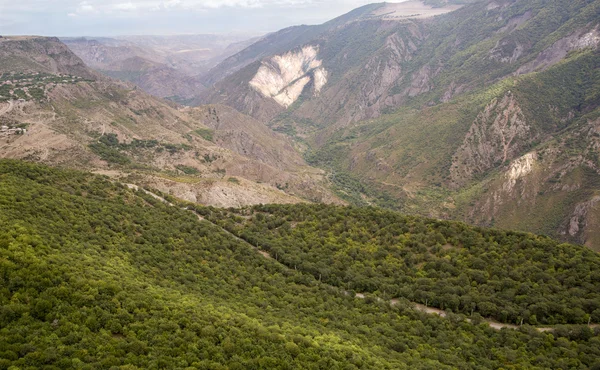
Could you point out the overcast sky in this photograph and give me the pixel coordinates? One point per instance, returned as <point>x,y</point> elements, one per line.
<point>164,17</point>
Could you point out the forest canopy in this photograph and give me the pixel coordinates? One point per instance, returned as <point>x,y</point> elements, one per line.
<point>510,276</point>
<point>94,275</point>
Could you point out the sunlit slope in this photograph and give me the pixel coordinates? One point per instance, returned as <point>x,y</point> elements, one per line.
<point>97,276</point>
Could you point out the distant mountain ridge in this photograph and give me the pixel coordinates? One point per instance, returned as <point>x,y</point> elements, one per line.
<point>164,66</point>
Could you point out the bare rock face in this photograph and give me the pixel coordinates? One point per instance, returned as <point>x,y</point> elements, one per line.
<point>578,220</point>
<point>284,77</point>
<point>507,51</point>
<point>558,51</point>
<point>498,134</point>
<point>548,190</point>
<point>521,171</point>
<point>368,90</point>
<point>519,168</point>
<point>421,82</point>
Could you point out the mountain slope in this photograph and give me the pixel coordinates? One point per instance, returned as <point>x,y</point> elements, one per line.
<point>360,53</point>
<point>40,54</point>
<point>378,251</point>
<point>427,114</point>
<point>376,63</point>
<point>115,278</point>
<point>84,120</point>
<point>473,158</point>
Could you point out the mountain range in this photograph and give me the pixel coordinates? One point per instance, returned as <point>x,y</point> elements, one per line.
<point>411,185</point>
<point>482,111</point>
<point>164,66</point>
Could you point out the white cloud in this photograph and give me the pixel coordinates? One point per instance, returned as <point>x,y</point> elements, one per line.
<point>125,6</point>
<point>111,6</point>
<point>85,8</point>
<point>117,17</point>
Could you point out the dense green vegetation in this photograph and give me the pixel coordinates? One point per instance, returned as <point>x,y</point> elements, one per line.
<point>94,275</point>
<point>505,275</point>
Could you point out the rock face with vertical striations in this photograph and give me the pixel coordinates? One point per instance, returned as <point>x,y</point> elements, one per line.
<point>284,77</point>
<point>498,134</point>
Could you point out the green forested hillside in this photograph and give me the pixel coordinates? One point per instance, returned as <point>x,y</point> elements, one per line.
<point>94,275</point>
<point>507,275</point>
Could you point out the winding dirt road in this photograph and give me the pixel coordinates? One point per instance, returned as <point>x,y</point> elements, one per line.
<point>7,109</point>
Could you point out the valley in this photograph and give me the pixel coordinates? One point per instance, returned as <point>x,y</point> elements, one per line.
<point>409,185</point>
<point>433,116</point>
<point>210,154</point>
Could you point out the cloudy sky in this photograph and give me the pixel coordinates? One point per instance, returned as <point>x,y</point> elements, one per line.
<point>136,17</point>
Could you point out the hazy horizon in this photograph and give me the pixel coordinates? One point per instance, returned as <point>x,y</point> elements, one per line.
<point>110,18</point>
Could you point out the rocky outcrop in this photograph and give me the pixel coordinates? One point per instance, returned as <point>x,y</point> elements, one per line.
<point>519,168</point>
<point>507,51</point>
<point>498,134</point>
<point>368,88</point>
<point>558,51</point>
<point>578,222</point>
<point>284,77</point>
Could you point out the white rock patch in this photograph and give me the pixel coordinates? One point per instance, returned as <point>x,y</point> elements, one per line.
<point>520,168</point>
<point>589,40</point>
<point>284,77</point>
<point>291,93</point>
<point>320,76</point>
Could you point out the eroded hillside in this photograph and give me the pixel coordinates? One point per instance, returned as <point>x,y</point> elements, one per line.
<point>284,77</point>
<point>207,154</point>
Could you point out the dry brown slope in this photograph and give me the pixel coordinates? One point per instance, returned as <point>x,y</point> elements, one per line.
<point>105,126</point>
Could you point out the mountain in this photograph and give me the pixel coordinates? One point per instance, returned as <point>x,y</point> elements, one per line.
<point>110,277</point>
<point>42,55</point>
<point>55,110</point>
<point>486,113</point>
<point>324,63</point>
<point>193,54</point>
<point>163,66</point>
